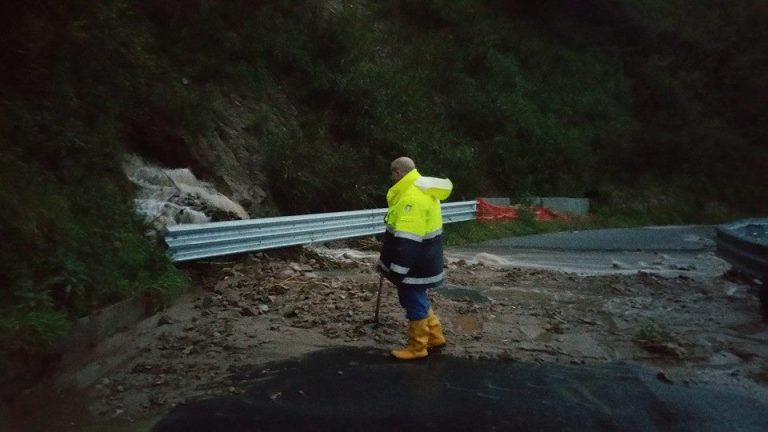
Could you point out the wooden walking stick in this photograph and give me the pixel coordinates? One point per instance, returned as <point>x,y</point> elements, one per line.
<point>378,301</point>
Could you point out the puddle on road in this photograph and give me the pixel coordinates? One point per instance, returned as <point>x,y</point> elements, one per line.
<point>467,323</point>
<point>458,292</point>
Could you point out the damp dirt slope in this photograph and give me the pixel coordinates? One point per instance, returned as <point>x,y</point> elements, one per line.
<point>262,308</point>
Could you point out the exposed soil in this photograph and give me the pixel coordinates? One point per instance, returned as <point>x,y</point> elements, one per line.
<point>262,308</point>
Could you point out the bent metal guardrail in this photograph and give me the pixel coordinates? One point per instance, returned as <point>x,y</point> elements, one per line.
<point>744,244</point>
<point>194,241</point>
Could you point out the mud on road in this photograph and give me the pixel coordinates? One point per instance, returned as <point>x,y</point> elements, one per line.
<point>262,308</point>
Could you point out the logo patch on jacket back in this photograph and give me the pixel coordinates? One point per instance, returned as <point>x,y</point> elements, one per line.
<point>407,208</point>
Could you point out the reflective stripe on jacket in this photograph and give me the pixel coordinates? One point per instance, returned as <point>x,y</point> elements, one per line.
<point>412,254</point>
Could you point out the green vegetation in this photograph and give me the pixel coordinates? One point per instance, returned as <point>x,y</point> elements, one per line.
<point>463,233</point>
<point>653,109</point>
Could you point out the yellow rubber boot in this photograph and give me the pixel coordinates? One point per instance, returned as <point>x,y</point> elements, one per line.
<point>418,335</point>
<point>436,338</point>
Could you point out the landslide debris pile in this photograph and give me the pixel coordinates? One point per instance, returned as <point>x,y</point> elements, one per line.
<point>269,307</point>
<point>175,196</point>
<point>248,309</point>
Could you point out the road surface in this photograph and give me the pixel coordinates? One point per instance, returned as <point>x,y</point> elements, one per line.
<point>364,389</point>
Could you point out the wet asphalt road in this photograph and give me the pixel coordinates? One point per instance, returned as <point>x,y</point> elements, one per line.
<point>656,239</point>
<point>363,389</point>
<point>668,251</point>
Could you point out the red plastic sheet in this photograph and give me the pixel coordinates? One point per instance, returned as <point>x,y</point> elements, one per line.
<point>489,212</point>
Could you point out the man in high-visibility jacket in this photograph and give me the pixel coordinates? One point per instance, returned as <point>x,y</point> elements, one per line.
<point>412,253</point>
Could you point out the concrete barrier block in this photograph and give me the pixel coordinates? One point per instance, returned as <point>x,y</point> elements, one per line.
<point>574,206</point>
<point>497,201</point>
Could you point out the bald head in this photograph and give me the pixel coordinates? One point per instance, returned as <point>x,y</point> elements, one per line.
<point>400,167</point>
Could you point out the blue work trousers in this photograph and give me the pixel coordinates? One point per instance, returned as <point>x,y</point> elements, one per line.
<point>415,301</point>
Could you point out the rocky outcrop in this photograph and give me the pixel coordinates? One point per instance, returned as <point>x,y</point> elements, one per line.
<point>175,196</point>
<point>227,157</point>
<point>230,152</point>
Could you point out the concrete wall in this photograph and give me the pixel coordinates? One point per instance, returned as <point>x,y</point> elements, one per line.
<point>502,202</point>
<point>574,206</point>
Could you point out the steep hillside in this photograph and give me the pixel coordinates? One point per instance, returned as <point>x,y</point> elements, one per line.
<point>652,108</point>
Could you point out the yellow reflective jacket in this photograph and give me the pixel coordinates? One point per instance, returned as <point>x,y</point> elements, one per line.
<point>414,205</point>
<point>412,253</point>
